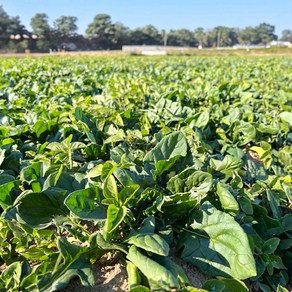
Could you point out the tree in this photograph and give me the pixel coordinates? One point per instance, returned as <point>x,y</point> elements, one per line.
<point>101,30</point>
<point>147,35</point>
<point>223,36</point>
<point>4,23</point>
<point>266,33</point>
<point>181,37</point>
<point>286,35</point>
<point>40,27</point>
<point>261,34</point>
<point>121,35</point>
<point>12,32</point>
<point>66,25</point>
<point>201,36</point>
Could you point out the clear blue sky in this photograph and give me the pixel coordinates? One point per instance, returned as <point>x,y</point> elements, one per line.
<point>163,14</point>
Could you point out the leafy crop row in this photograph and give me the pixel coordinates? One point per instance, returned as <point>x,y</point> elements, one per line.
<point>146,158</point>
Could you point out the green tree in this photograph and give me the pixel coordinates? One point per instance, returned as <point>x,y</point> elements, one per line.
<point>181,37</point>
<point>66,25</point>
<point>101,31</point>
<point>40,24</point>
<point>12,32</point>
<point>286,35</point>
<point>121,35</point>
<point>261,34</point>
<point>147,35</point>
<point>41,28</point>
<point>4,23</point>
<point>266,33</point>
<point>201,37</point>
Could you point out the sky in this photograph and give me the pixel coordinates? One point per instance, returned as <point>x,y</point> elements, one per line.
<point>163,14</point>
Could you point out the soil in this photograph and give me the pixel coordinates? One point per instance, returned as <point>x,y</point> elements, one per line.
<point>111,275</point>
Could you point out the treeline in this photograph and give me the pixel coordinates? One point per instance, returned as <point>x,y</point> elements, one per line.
<point>103,34</point>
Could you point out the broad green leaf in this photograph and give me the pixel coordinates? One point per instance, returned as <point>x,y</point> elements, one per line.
<point>34,172</point>
<point>268,129</point>
<point>170,146</point>
<point>174,268</point>
<point>218,245</point>
<point>281,289</point>
<point>134,277</point>
<point>200,120</point>
<point>151,269</point>
<point>11,276</point>
<point>270,245</point>
<point>228,164</point>
<point>35,210</point>
<point>190,180</point>
<point>7,184</point>
<point>214,285</point>
<point>74,264</point>
<point>179,206</point>
<point>115,216</point>
<point>245,205</point>
<point>148,225</point>
<point>95,171</point>
<point>127,193</point>
<point>110,189</point>
<point>287,117</point>
<point>118,137</point>
<point>227,200</point>
<point>151,242</point>
<point>107,169</point>
<point>85,204</point>
<point>225,285</point>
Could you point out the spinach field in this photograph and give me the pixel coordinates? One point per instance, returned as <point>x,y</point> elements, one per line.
<point>146,158</point>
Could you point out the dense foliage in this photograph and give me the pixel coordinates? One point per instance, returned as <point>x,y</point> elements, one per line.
<point>147,159</point>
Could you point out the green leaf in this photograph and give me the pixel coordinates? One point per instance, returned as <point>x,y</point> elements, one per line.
<point>190,180</point>
<point>270,245</point>
<point>175,144</point>
<point>179,206</point>
<point>74,264</point>
<point>281,289</point>
<point>127,193</point>
<point>11,277</point>
<point>151,242</point>
<point>287,117</point>
<point>245,205</point>
<point>228,164</point>
<point>163,156</point>
<point>85,204</point>
<point>268,129</point>
<point>227,200</point>
<point>151,269</point>
<point>118,137</point>
<point>7,184</point>
<point>218,245</point>
<point>200,120</point>
<point>134,278</point>
<point>115,216</point>
<point>36,210</point>
<point>110,189</point>
<point>225,285</point>
<point>214,285</point>
<point>34,172</point>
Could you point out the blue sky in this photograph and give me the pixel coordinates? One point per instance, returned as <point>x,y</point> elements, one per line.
<point>163,14</point>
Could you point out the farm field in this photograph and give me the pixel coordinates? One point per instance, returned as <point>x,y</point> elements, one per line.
<point>146,160</point>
